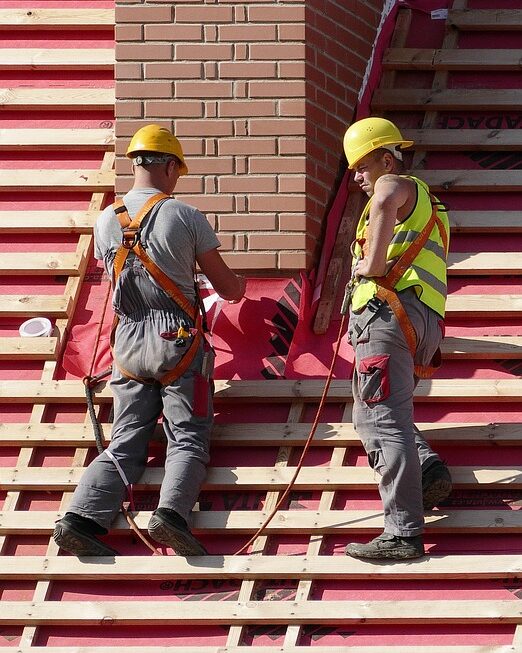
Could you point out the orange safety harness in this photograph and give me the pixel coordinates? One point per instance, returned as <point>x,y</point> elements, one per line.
<point>131,242</point>
<point>386,289</point>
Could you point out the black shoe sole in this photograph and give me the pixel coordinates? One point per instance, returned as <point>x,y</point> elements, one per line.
<point>73,541</point>
<point>182,542</point>
<point>391,554</point>
<point>435,493</point>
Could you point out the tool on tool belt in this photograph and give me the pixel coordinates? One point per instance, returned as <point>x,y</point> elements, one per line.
<point>349,288</point>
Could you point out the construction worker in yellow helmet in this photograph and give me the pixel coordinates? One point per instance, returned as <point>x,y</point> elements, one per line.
<point>398,296</point>
<point>150,243</point>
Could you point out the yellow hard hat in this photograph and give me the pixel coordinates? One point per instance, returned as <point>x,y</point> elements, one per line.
<point>370,134</point>
<point>153,138</point>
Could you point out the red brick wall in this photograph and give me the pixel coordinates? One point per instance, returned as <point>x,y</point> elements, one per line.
<point>259,94</point>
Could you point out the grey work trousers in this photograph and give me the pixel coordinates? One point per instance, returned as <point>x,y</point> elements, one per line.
<point>137,407</point>
<point>145,346</point>
<point>383,385</point>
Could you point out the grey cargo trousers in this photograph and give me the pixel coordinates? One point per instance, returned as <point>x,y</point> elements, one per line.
<point>383,385</point>
<point>186,404</point>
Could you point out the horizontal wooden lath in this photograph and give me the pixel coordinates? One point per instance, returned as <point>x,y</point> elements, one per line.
<point>456,139</point>
<point>57,59</point>
<point>265,649</point>
<point>461,59</point>
<point>485,221</point>
<point>66,613</point>
<point>57,99</point>
<point>237,522</point>
<point>50,221</point>
<point>42,263</point>
<point>446,99</point>
<point>56,139</point>
<point>254,567</point>
<point>56,479</point>
<point>59,19</point>
<point>98,181</point>
<point>266,434</point>
<point>486,19</point>
<point>34,305</point>
<point>485,390</point>
<point>28,348</point>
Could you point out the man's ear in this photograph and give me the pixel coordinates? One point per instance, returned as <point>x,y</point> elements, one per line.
<point>389,160</point>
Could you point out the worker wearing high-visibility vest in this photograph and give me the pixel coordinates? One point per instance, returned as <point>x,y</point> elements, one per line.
<point>398,295</point>
<point>150,243</point>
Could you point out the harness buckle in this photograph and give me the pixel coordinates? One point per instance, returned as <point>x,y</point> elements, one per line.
<point>374,304</point>
<point>130,238</point>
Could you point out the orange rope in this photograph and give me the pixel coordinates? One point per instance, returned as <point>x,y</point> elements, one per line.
<point>307,444</point>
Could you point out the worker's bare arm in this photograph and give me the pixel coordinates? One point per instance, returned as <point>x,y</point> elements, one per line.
<point>225,281</point>
<point>391,194</point>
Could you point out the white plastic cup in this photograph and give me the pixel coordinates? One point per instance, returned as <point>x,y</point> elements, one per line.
<point>36,327</point>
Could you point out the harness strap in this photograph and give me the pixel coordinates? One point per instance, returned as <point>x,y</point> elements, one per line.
<point>386,289</point>
<point>131,242</point>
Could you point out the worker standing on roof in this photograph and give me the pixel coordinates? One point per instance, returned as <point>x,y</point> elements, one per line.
<point>398,301</point>
<point>162,362</point>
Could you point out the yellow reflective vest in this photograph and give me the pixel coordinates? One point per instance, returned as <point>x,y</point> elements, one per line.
<point>427,273</point>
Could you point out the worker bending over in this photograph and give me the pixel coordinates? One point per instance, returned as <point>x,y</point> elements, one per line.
<point>150,243</point>
<point>396,326</point>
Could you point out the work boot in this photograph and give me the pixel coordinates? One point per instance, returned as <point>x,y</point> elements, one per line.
<point>77,535</point>
<point>436,484</point>
<point>386,546</point>
<point>167,527</point>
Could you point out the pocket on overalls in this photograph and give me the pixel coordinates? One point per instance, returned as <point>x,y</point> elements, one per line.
<point>373,378</point>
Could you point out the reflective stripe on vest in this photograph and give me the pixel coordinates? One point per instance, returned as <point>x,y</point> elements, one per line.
<point>427,273</point>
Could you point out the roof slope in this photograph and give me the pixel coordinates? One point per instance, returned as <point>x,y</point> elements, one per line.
<point>454,88</point>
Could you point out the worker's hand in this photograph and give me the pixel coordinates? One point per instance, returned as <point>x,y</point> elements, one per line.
<point>364,268</point>
<point>242,287</point>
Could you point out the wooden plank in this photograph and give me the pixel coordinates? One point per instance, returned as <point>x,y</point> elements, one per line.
<point>473,180</point>
<point>495,347</point>
<point>487,390</point>
<point>29,348</point>
<point>93,180</point>
<point>67,613</point>
<point>59,19</point>
<point>263,434</point>
<point>486,19</point>
<point>446,99</point>
<point>56,139</point>
<point>34,305</point>
<point>458,59</point>
<point>478,566</point>
<point>267,649</point>
<point>484,263</point>
<point>470,181</point>
<point>494,522</point>
<point>485,221</point>
<point>81,222</point>
<point>273,479</point>
<point>43,99</point>
<point>44,263</point>
<point>454,138</point>
<point>57,59</point>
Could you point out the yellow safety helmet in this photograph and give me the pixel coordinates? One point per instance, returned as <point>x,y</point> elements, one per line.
<point>369,134</point>
<point>153,138</point>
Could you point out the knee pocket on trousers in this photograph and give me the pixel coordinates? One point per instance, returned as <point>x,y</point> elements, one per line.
<point>373,378</point>
<point>376,461</point>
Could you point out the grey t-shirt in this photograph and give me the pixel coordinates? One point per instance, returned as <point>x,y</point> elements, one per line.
<point>173,235</point>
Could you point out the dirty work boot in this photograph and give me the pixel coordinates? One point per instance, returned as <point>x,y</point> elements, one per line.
<point>436,484</point>
<point>167,527</point>
<point>386,546</point>
<point>77,535</point>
